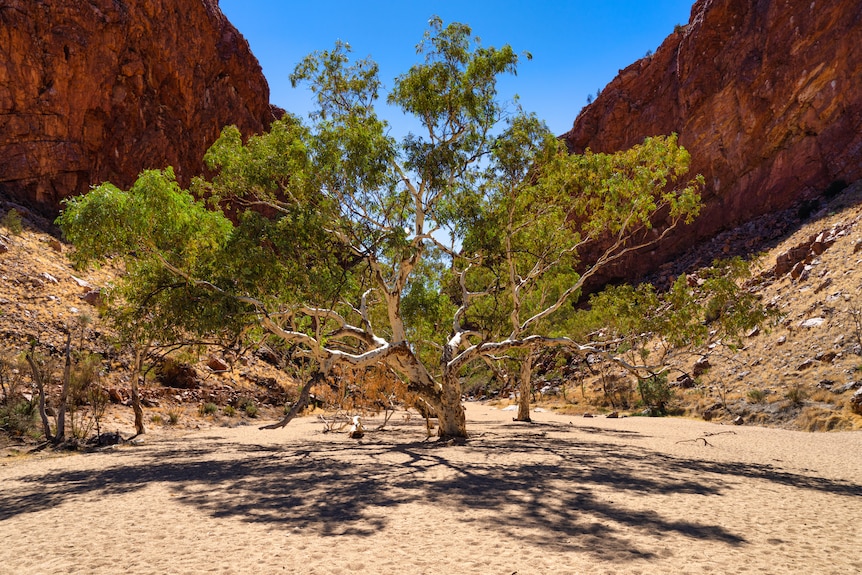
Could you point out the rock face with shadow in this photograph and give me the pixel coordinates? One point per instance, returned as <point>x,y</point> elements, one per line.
<point>98,90</point>
<point>764,94</point>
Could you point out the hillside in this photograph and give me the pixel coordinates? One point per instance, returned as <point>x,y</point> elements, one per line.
<point>800,373</point>
<point>43,297</point>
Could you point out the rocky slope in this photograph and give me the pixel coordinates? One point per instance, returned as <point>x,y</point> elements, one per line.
<point>806,370</point>
<point>97,90</point>
<point>43,298</point>
<point>765,95</point>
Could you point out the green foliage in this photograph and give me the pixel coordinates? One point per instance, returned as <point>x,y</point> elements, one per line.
<point>208,408</point>
<point>331,234</point>
<point>12,222</point>
<point>756,396</point>
<point>247,405</point>
<point>655,393</point>
<point>165,238</point>
<point>229,410</point>
<point>685,317</point>
<point>19,418</point>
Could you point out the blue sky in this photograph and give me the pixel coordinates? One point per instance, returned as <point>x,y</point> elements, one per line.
<point>577,46</point>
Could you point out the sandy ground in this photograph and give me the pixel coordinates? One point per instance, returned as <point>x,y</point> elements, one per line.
<point>563,495</point>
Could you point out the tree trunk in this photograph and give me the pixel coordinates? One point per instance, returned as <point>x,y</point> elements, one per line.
<point>37,377</point>
<point>300,404</point>
<point>525,388</point>
<point>450,415</point>
<point>136,396</point>
<point>64,392</point>
<point>136,408</point>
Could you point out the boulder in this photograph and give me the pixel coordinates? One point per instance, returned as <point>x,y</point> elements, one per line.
<point>93,297</point>
<point>856,402</point>
<point>217,364</point>
<point>700,367</point>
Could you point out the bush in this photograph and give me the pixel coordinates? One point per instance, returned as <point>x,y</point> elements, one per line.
<point>19,419</point>
<point>208,409</point>
<point>229,410</point>
<point>84,391</point>
<point>756,396</point>
<point>796,395</point>
<point>655,393</point>
<point>12,222</point>
<point>174,415</point>
<point>251,409</point>
<point>617,390</point>
<point>835,188</point>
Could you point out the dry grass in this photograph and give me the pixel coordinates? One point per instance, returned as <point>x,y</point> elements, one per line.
<point>820,419</point>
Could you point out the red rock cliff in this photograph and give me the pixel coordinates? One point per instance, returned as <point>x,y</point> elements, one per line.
<point>98,90</point>
<point>765,94</point>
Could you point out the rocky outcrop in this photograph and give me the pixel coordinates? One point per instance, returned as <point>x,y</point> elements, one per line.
<point>98,90</point>
<point>766,96</point>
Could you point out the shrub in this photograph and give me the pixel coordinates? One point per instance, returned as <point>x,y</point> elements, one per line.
<point>756,396</point>
<point>617,390</point>
<point>229,410</point>
<point>819,419</point>
<point>208,408</point>
<point>12,222</point>
<point>655,393</point>
<point>796,395</point>
<point>84,391</point>
<point>10,380</point>
<point>854,313</point>
<point>19,419</point>
<point>835,188</point>
<point>174,415</point>
<point>250,409</point>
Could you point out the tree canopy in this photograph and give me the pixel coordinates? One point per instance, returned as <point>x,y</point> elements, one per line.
<point>460,243</point>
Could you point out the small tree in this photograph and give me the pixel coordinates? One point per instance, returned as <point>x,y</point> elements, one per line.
<point>12,222</point>
<point>459,244</point>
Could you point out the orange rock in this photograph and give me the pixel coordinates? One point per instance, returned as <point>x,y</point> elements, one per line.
<point>762,94</point>
<point>102,91</point>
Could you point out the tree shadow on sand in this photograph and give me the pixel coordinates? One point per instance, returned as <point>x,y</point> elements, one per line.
<point>547,489</point>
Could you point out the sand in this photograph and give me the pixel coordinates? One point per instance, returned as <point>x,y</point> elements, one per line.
<point>565,494</point>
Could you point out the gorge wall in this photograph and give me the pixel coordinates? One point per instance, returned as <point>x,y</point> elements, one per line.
<point>98,90</point>
<point>765,94</point>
